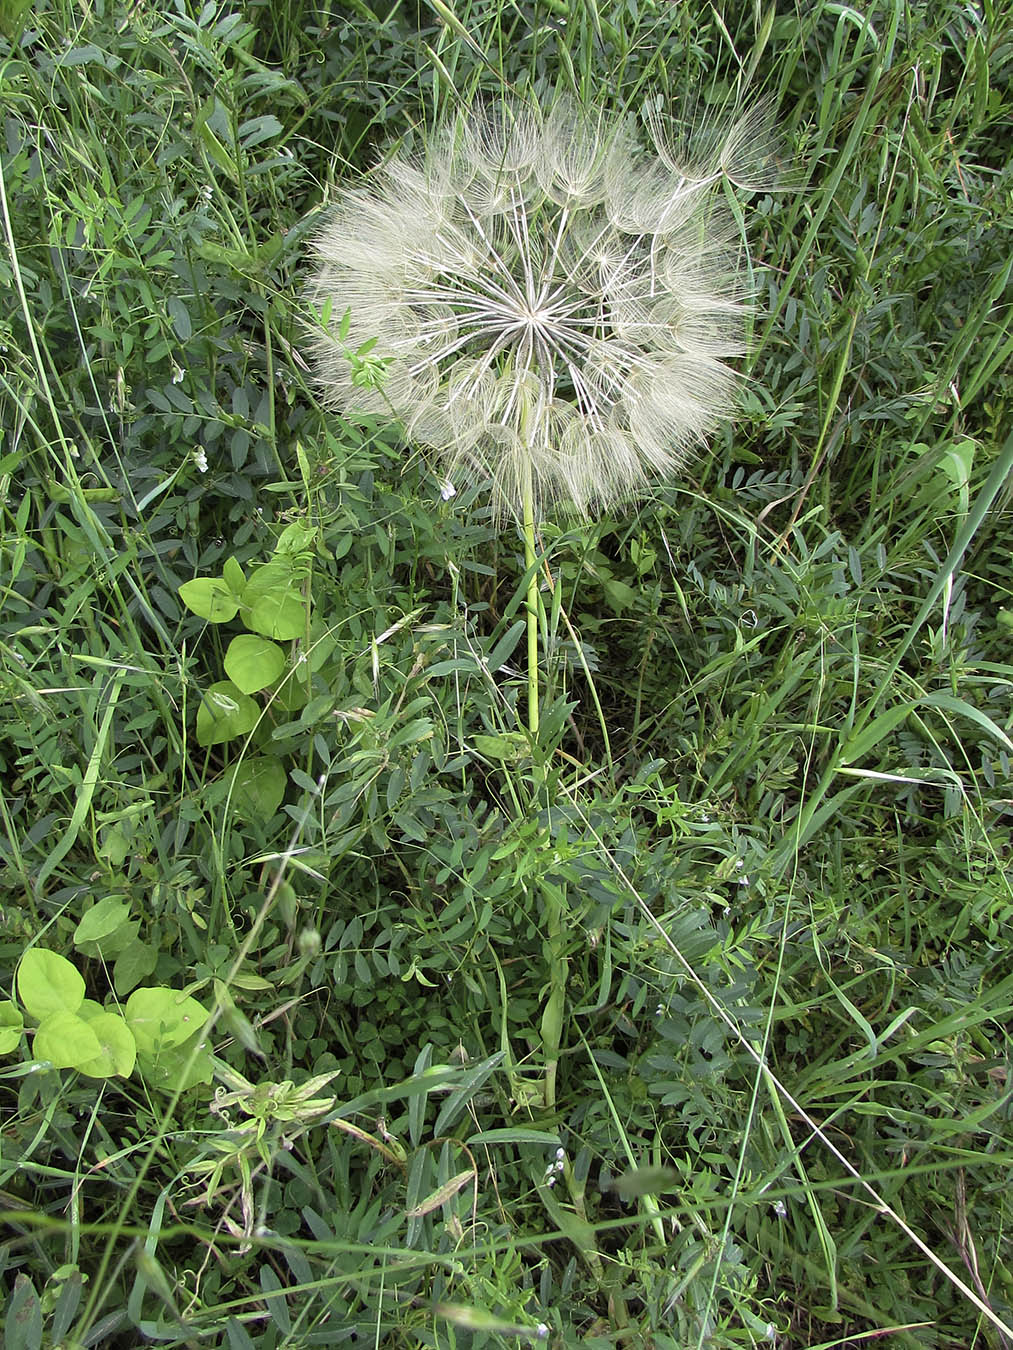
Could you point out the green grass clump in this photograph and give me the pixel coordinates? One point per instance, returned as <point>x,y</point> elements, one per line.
<point>687,1026</point>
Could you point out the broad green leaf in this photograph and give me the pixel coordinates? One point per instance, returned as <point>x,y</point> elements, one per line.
<point>278,614</point>
<point>183,1066</point>
<point>161,1018</point>
<point>103,919</point>
<point>48,983</point>
<point>258,786</point>
<point>618,596</point>
<point>210,598</point>
<point>12,1024</point>
<point>233,576</point>
<point>225,712</point>
<point>180,317</point>
<point>294,539</point>
<point>273,603</point>
<point>110,947</point>
<point>509,745</point>
<point>135,962</point>
<point>293,691</point>
<point>252,663</point>
<point>66,1040</point>
<point>276,575</point>
<point>117,1052</point>
<point>116,843</point>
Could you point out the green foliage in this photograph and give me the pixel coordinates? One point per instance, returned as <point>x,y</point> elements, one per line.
<point>158,1029</point>
<point>272,601</point>
<point>270,820</point>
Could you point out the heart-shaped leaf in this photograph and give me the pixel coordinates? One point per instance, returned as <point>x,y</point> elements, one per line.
<point>48,983</point>
<point>210,598</point>
<point>252,663</point>
<point>258,786</point>
<point>225,712</point>
<point>12,1024</point>
<point>162,1018</point>
<point>66,1040</point>
<point>117,1052</point>
<point>102,920</point>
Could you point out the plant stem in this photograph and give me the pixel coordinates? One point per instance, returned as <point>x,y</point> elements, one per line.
<point>553,1014</point>
<point>532,600</point>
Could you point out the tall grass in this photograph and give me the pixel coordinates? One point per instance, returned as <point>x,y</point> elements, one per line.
<point>768,844</point>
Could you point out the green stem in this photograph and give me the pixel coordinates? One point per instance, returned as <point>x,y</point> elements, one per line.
<point>532,600</point>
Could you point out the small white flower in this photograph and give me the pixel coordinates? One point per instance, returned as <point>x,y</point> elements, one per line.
<point>560,1154</point>
<point>780,1209</point>
<point>447,490</point>
<point>177,374</point>
<point>200,458</point>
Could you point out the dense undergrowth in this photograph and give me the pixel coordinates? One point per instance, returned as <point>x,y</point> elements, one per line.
<point>771,796</point>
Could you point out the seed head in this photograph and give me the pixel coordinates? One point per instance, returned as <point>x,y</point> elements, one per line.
<point>550,302</point>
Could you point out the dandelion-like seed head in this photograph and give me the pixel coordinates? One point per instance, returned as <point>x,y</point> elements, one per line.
<point>553,305</point>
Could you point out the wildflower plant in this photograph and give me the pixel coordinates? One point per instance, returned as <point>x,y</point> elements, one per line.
<point>553,304</point>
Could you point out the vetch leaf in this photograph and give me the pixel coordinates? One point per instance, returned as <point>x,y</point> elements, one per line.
<point>508,745</point>
<point>23,1323</point>
<point>180,316</point>
<point>645,1181</point>
<point>440,1197</point>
